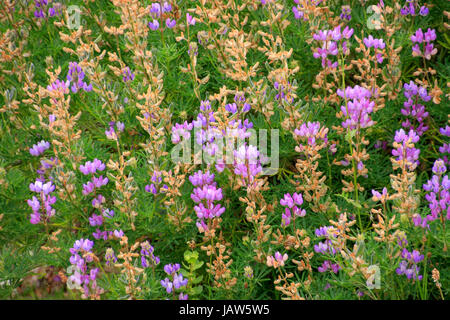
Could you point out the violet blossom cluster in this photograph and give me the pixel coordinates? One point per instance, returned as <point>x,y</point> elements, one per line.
<point>156,11</point>
<point>438,196</point>
<point>377,44</point>
<point>425,40</point>
<point>205,195</point>
<point>358,109</point>
<point>413,108</point>
<point>59,86</point>
<point>408,266</point>
<point>182,130</point>
<point>76,77</point>
<point>148,259</point>
<point>43,9</point>
<point>346,13</point>
<point>42,204</point>
<point>209,137</point>
<point>97,220</point>
<point>39,148</point>
<point>113,130</point>
<point>283,92</point>
<point>312,133</point>
<point>190,20</point>
<point>411,7</point>
<point>247,164</point>
<point>327,265</point>
<point>110,257</point>
<point>84,277</point>
<point>404,149</point>
<point>46,165</point>
<point>445,148</point>
<point>276,260</point>
<point>292,204</point>
<point>238,126</point>
<point>332,41</point>
<point>155,187</point>
<point>326,246</point>
<point>127,74</point>
<point>176,280</point>
<point>298,11</point>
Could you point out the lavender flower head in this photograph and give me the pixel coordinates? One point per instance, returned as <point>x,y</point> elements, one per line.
<point>76,77</point>
<point>39,148</point>
<point>404,149</point>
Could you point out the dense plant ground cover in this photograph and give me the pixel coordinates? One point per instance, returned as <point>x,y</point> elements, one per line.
<point>312,139</point>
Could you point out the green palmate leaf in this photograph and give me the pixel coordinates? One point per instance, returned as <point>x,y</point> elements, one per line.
<point>196,290</point>
<point>197,280</point>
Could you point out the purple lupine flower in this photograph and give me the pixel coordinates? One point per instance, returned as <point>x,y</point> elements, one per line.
<point>127,75</point>
<point>445,148</point>
<point>110,257</point>
<point>286,218</point>
<point>45,188</point>
<point>108,213</point>
<point>424,39</point>
<point>298,13</point>
<point>183,296</point>
<point>84,277</point>
<point>176,282</point>
<point>39,148</point>
<point>199,179</point>
<point>167,7</point>
<point>311,132</point>
<point>76,77</point>
<point>156,186</point>
<point>404,148</point>
<point>95,220</point>
<point>327,265</point>
<point>154,25</point>
<point>190,19</point>
<point>147,252</point>
<point>98,201</point>
<point>179,281</point>
<point>155,10</point>
<point>292,203</point>
<point>413,108</point>
<point>438,196</point>
<point>331,40</point>
<point>379,196</point>
<point>247,163</point>
<point>171,269</point>
<point>118,234</point>
<point>358,109</point>
<point>325,247</point>
<point>181,130</point>
<point>370,42</point>
<point>424,11</point>
<point>170,23</point>
<point>91,167</point>
<point>99,181</point>
<point>96,182</point>
<point>408,266</point>
<point>412,8</point>
<point>346,13</point>
<point>166,283</point>
<point>59,86</point>
<point>206,194</point>
<point>277,260</point>
<point>151,188</point>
